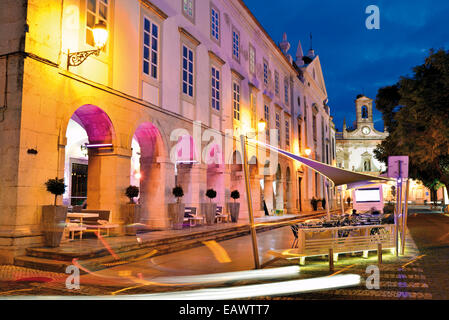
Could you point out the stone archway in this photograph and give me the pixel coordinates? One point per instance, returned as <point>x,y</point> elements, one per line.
<point>154,173</point>
<point>105,181</point>
<point>279,191</point>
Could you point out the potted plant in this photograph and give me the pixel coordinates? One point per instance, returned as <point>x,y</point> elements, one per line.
<point>314,203</point>
<point>234,207</point>
<point>323,203</point>
<point>133,210</point>
<point>209,210</point>
<point>54,216</point>
<point>348,200</point>
<point>176,210</point>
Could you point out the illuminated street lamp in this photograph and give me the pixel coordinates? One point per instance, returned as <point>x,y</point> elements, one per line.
<point>101,35</point>
<point>262,125</point>
<point>308,151</point>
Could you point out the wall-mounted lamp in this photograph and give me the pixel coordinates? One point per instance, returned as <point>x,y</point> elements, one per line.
<point>32,151</point>
<point>308,151</point>
<point>262,125</point>
<point>101,35</point>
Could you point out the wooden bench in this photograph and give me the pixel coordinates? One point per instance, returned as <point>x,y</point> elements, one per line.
<point>323,241</point>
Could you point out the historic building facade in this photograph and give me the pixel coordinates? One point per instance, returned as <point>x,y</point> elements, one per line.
<point>163,103</point>
<point>355,152</point>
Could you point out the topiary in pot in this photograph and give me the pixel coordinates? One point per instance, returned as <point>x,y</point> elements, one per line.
<point>211,194</point>
<point>176,210</point>
<point>132,215</point>
<point>56,186</point>
<point>234,208</point>
<point>132,192</point>
<point>178,193</point>
<point>210,209</point>
<point>53,216</point>
<point>235,195</point>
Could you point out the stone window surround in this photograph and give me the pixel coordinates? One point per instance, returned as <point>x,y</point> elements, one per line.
<point>236,31</point>
<point>213,7</point>
<point>191,18</point>
<point>186,39</point>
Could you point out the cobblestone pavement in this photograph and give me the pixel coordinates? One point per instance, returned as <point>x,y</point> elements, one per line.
<point>420,274</point>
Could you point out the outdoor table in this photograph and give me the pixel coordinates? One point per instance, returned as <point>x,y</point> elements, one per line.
<point>81,216</point>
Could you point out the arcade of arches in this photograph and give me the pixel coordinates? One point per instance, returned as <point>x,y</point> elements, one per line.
<point>97,173</point>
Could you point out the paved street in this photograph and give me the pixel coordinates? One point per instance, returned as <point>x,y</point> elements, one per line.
<point>419,274</point>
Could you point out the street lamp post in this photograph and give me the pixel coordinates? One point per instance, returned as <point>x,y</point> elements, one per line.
<point>244,141</point>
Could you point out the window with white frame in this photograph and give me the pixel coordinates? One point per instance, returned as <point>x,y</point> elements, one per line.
<point>97,11</point>
<point>287,133</point>
<point>150,48</point>
<point>286,91</point>
<point>267,121</point>
<point>265,72</point>
<point>187,70</point>
<point>278,127</point>
<point>276,83</point>
<point>252,59</point>
<point>188,8</point>
<point>215,23</point>
<point>215,81</point>
<point>236,100</point>
<point>235,44</point>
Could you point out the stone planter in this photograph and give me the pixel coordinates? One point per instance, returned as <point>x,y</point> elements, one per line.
<point>234,209</point>
<point>209,210</point>
<point>176,214</point>
<point>53,224</point>
<point>132,217</point>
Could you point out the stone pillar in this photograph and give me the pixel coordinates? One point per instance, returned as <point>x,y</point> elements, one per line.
<point>255,195</point>
<point>108,177</point>
<point>216,181</point>
<point>193,180</point>
<point>158,181</point>
<point>280,194</point>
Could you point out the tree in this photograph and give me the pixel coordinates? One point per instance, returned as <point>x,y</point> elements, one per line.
<point>416,113</point>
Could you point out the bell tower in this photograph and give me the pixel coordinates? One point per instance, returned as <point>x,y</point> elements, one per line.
<point>364,110</point>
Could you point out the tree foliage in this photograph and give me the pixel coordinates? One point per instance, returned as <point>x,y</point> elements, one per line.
<point>416,113</point>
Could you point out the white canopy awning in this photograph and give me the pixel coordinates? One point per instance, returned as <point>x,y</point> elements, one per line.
<point>338,176</point>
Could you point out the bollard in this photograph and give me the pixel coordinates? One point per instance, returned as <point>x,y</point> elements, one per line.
<point>379,253</point>
<point>331,260</point>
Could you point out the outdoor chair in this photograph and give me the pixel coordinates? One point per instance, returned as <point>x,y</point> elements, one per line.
<point>219,216</point>
<point>191,217</point>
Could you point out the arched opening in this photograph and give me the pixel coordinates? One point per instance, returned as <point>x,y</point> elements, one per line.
<point>89,136</point>
<point>364,112</point>
<point>288,190</point>
<point>215,176</point>
<point>188,173</point>
<point>279,189</point>
<point>268,189</point>
<point>146,172</point>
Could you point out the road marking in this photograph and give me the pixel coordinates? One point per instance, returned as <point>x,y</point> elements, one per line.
<point>417,258</point>
<point>219,252</point>
<point>340,271</point>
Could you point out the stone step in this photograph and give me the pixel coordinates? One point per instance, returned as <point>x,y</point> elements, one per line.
<point>42,264</point>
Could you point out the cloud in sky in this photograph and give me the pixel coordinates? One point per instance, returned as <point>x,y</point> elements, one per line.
<point>354,59</point>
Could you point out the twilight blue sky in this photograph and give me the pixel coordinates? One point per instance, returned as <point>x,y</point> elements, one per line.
<point>354,59</point>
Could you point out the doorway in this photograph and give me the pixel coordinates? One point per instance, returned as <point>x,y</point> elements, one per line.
<point>78,184</point>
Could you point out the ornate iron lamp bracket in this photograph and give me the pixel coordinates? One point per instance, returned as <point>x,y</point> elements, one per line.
<point>77,58</point>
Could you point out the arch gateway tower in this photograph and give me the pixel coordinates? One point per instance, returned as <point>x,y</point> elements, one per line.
<point>355,145</point>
